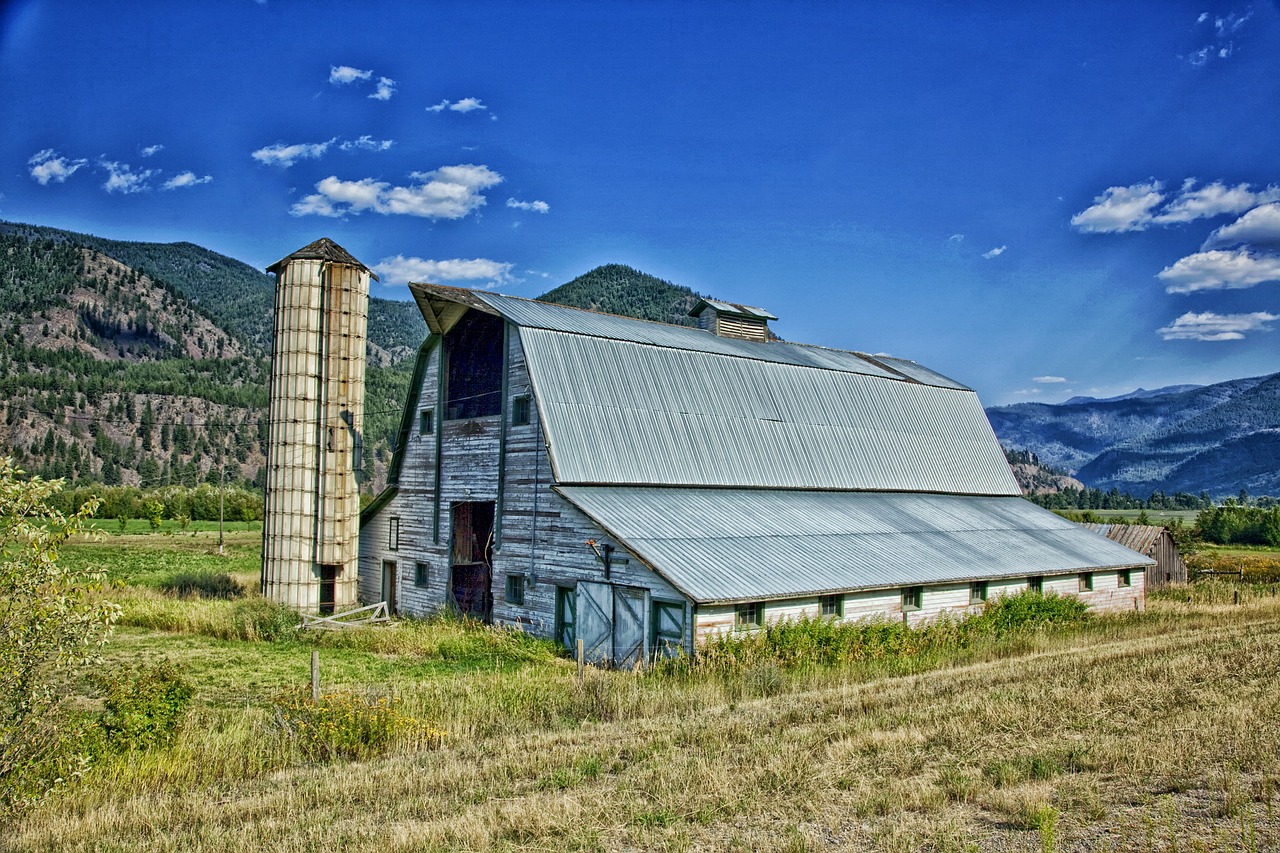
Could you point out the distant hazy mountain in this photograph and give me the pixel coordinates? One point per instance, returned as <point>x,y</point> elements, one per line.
<point>1139,394</point>
<point>1216,438</point>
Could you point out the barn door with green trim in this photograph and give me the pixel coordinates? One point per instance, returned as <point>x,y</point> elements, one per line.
<point>595,621</point>
<point>630,617</point>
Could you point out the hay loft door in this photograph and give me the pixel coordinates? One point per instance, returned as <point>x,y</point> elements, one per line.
<point>612,621</point>
<point>471,559</point>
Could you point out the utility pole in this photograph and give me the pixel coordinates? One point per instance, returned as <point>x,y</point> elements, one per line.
<point>222,482</point>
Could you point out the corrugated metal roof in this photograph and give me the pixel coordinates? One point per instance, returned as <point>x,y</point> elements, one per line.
<point>722,545</point>
<point>626,412</point>
<point>1138,537</point>
<point>730,308</point>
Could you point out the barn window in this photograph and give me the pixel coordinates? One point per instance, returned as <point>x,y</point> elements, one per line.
<point>566,616</point>
<point>668,628</point>
<point>977,592</point>
<point>515,590</point>
<point>426,421</point>
<point>473,375</point>
<point>1036,584</point>
<point>520,411</point>
<point>421,574</point>
<point>749,613</point>
<point>393,533</point>
<point>831,605</point>
<point>912,596</point>
<point>1123,578</point>
<point>1086,581</point>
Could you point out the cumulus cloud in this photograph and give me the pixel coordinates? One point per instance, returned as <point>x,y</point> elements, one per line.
<point>384,90</point>
<point>450,192</point>
<point>1120,209</point>
<point>152,150</point>
<point>48,165</point>
<point>1260,227</point>
<point>1217,327</point>
<point>1224,28</point>
<point>465,105</point>
<point>1219,269</point>
<point>285,156</point>
<point>340,75</point>
<point>121,178</point>
<point>185,179</point>
<point>399,269</point>
<point>1212,200</point>
<point>994,253</point>
<point>956,238</point>
<point>1044,380</point>
<point>366,143</point>
<point>535,206</point>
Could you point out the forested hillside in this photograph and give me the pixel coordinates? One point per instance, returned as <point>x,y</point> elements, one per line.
<point>618,289</point>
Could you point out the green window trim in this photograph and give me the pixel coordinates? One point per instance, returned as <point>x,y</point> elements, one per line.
<point>748,613</point>
<point>978,592</point>
<point>831,605</point>
<point>667,628</point>
<point>520,411</point>
<point>515,590</point>
<point>1124,578</point>
<point>912,598</point>
<point>1086,581</point>
<point>1035,583</point>
<point>566,616</point>
<point>421,573</point>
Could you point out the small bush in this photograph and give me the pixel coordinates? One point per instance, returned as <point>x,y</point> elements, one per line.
<point>261,619</point>
<point>346,725</point>
<point>203,585</point>
<point>1030,611</point>
<point>144,706</point>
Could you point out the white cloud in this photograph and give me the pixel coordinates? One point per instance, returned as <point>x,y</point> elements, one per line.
<point>385,89</point>
<point>286,155</point>
<point>1044,380</point>
<point>1219,269</point>
<point>1120,209</point>
<point>1024,391</point>
<point>450,192</point>
<point>48,166</point>
<point>1216,327</point>
<point>535,206</point>
<point>342,74</point>
<point>152,150</point>
<point>1231,24</point>
<point>1260,227</point>
<point>121,178</point>
<point>956,238</point>
<point>399,269</point>
<point>1212,200</point>
<point>465,105</point>
<point>994,253</point>
<point>185,179</point>
<point>366,143</point>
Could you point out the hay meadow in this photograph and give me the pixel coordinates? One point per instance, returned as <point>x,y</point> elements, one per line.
<point>1151,731</point>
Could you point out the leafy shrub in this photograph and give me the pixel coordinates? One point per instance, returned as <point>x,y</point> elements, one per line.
<point>204,584</point>
<point>262,619</point>
<point>144,706</point>
<point>1030,611</point>
<point>345,725</point>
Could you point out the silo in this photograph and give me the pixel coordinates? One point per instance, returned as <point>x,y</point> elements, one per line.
<point>311,522</point>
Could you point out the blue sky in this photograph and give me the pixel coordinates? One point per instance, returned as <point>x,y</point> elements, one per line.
<point>1039,200</point>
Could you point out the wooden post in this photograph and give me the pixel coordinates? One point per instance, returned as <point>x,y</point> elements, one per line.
<point>315,676</point>
<point>1237,596</point>
<point>582,662</point>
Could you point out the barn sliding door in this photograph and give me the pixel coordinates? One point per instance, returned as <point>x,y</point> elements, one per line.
<point>613,623</point>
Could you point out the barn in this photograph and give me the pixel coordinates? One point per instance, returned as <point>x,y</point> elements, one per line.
<point>1155,542</point>
<point>643,486</point>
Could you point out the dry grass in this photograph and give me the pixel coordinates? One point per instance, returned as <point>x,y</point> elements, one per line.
<point>1142,733</point>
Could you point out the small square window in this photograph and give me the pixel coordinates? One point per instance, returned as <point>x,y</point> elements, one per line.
<point>393,533</point>
<point>1086,581</point>
<point>426,421</point>
<point>749,613</point>
<point>977,592</point>
<point>1035,584</point>
<point>520,411</point>
<point>831,605</point>
<point>912,597</point>
<point>1123,578</point>
<point>421,573</point>
<point>515,589</point>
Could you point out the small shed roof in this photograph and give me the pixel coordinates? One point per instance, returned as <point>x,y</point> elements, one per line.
<point>1139,537</point>
<point>730,308</point>
<point>725,545</point>
<point>323,249</point>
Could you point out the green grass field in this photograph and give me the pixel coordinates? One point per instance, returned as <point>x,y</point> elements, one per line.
<point>1150,731</point>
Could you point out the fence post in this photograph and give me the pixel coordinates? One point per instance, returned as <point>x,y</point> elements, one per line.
<point>315,676</point>
<point>1237,596</point>
<point>582,662</point>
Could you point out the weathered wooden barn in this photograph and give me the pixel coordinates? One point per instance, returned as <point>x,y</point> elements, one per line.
<point>641,486</point>
<point>1155,542</point>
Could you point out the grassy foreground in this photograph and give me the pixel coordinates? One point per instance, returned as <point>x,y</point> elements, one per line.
<point>1151,732</point>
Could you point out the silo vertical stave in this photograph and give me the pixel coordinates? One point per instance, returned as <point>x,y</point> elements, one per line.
<point>310,553</point>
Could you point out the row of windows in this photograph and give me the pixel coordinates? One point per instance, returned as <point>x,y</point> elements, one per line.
<point>752,612</point>
<point>520,415</point>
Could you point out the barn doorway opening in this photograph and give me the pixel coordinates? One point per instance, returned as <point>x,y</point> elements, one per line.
<point>473,375</point>
<point>328,588</point>
<point>389,585</point>
<point>471,561</point>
